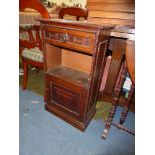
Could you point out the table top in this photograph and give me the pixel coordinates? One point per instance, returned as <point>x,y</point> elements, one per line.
<point>127,32</point>
<point>121,31</point>
<point>84,23</point>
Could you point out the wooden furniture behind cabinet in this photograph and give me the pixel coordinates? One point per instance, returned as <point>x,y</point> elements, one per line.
<point>128,65</point>
<point>74,63</point>
<point>73,11</point>
<point>121,13</point>
<point>30,47</point>
<point>118,12</point>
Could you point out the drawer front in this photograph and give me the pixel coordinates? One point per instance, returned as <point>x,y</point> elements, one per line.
<point>72,39</point>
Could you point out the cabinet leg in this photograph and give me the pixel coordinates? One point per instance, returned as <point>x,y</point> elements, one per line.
<point>110,118</point>
<point>25,76</point>
<point>127,106</point>
<point>117,91</point>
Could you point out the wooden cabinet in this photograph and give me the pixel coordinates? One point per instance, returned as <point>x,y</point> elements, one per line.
<point>74,55</point>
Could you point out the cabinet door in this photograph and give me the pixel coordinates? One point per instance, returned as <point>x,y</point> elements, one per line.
<point>65,97</point>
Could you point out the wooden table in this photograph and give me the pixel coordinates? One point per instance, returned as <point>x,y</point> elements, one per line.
<point>119,36</point>
<point>128,46</point>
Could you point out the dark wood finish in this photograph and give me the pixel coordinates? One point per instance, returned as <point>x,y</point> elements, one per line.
<point>121,127</point>
<point>119,36</point>
<point>72,93</point>
<point>121,100</point>
<point>121,14</point>
<point>130,58</point>
<point>114,106</point>
<point>118,49</point>
<point>69,38</point>
<point>117,91</point>
<point>126,107</point>
<point>73,11</point>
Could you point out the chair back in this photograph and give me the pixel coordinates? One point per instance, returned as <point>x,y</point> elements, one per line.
<point>73,11</point>
<point>34,4</point>
<point>29,27</point>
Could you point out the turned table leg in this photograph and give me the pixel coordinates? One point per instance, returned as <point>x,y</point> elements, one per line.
<point>127,106</point>
<point>117,91</point>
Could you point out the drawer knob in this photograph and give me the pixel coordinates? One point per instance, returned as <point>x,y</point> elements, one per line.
<point>64,38</point>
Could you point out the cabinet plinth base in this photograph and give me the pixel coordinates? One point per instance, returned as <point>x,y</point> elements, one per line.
<point>77,124</point>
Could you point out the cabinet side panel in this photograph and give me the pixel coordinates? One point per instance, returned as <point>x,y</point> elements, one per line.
<point>52,56</point>
<point>98,69</point>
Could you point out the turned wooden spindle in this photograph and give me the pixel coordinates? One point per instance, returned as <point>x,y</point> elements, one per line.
<point>127,106</point>
<point>117,92</point>
<point>129,65</point>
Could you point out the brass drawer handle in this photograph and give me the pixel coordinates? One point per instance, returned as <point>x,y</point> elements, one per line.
<point>64,38</point>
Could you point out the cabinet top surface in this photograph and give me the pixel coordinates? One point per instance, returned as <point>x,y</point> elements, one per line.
<point>71,75</point>
<point>77,23</point>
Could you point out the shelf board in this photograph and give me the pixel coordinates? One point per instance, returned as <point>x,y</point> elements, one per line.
<point>71,75</point>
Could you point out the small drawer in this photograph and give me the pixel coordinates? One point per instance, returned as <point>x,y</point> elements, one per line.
<point>72,39</point>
